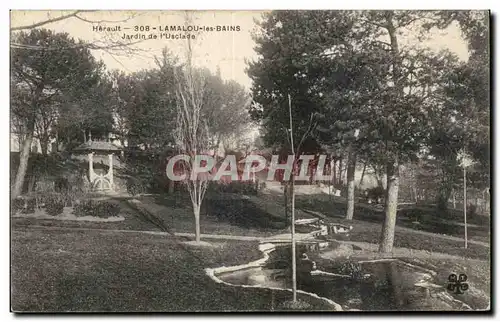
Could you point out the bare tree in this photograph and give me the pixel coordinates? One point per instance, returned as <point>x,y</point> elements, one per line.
<point>192,134</point>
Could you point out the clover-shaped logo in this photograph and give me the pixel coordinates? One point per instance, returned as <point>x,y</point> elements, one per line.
<point>457,284</point>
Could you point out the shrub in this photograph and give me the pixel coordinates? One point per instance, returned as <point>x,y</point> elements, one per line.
<point>84,208</point>
<point>472,210</point>
<point>352,269</point>
<point>134,187</point>
<point>67,199</point>
<point>376,194</point>
<point>54,206</point>
<point>102,209</point>
<point>18,205</point>
<point>241,187</point>
<point>30,206</point>
<point>61,185</point>
<point>106,209</point>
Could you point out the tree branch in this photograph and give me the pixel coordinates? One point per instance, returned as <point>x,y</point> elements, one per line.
<point>42,23</point>
<point>306,133</point>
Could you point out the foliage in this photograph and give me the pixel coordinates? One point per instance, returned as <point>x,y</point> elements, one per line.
<point>145,107</point>
<point>18,205</point>
<point>30,206</point>
<point>353,269</point>
<point>375,193</point>
<point>280,71</point>
<point>247,187</point>
<point>349,71</point>
<point>54,206</point>
<point>61,185</point>
<point>101,209</point>
<point>48,72</point>
<point>84,208</point>
<point>105,209</point>
<point>135,186</point>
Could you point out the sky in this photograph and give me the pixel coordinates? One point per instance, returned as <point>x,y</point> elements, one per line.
<point>224,49</point>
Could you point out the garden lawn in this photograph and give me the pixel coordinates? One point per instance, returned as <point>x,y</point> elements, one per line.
<point>223,214</point>
<point>59,270</point>
<point>370,233</point>
<point>421,218</point>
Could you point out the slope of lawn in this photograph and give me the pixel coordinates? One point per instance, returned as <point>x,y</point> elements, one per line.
<point>416,241</point>
<point>223,213</point>
<point>421,217</point>
<point>54,271</point>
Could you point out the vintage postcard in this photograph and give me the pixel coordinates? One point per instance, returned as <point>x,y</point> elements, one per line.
<point>256,161</point>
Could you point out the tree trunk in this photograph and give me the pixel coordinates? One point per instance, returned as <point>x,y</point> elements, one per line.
<point>294,251</point>
<point>339,179</point>
<point>285,194</point>
<point>31,184</point>
<point>44,145</point>
<point>445,192</point>
<point>362,175</point>
<point>378,175</point>
<point>442,202</point>
<point>391,207</point>
<point>415,192</point>
<point>351,170</point>
<point>334,170</point>
<point>17,189</point>
<point>196,210</point>
<point>392,169</point>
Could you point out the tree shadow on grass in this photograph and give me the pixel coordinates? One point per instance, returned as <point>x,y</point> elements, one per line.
<point>337,209</point>
<point>176,200</point>
<point>427,219</point>
<point>243,213</point>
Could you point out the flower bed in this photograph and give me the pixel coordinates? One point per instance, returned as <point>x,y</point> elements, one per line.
<point>67,214</point>
<point>60,207</point>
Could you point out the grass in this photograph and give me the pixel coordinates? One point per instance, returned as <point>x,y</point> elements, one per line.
<point>429,218</point>
<point>225,214</point>
<point>263,216</point>
<point>427,243</point>
<point>58,271</point>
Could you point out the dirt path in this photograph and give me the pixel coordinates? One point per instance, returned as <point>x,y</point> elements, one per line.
<point>280,237</point>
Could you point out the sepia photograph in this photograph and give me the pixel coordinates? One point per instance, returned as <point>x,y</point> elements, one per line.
<point>250,161</point>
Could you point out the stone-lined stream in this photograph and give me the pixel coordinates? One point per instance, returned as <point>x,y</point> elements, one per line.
<point>376,285</point>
